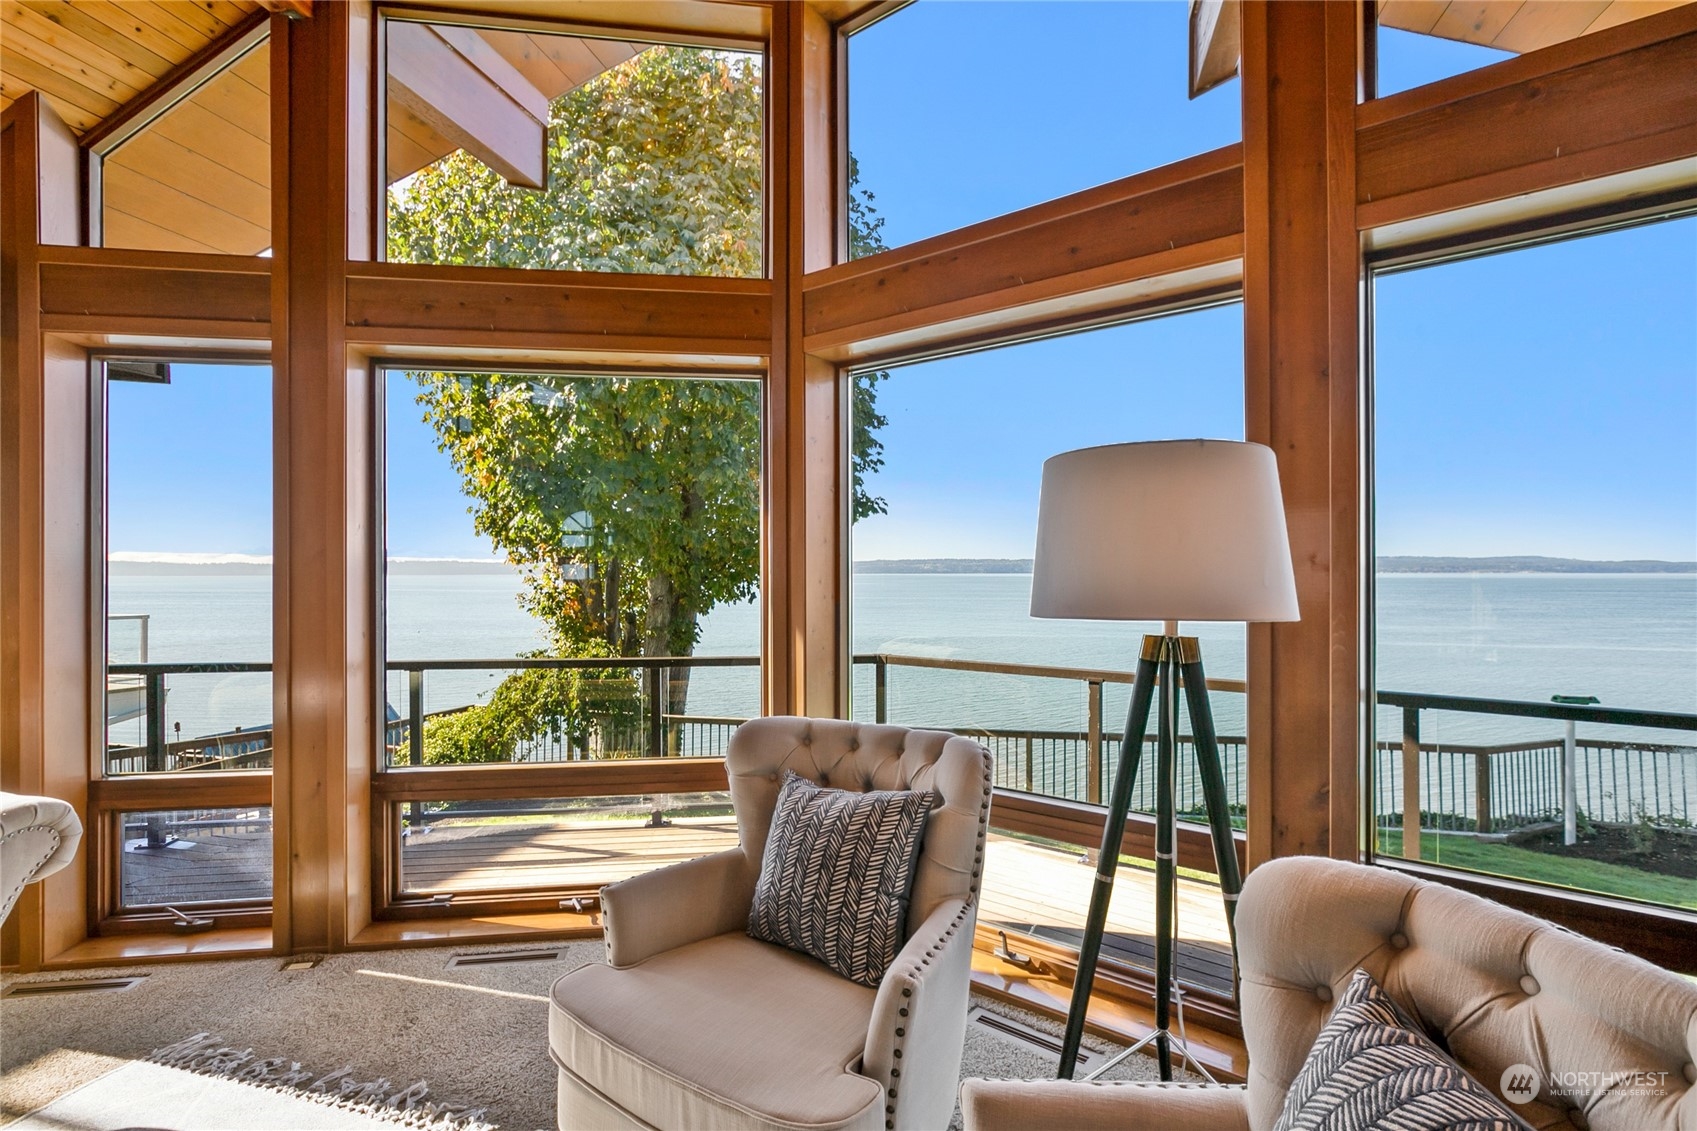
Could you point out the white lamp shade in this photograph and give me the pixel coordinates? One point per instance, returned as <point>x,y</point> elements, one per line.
<point>1185,530</point>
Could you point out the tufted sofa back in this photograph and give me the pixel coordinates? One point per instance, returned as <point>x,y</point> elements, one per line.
<point>1495,987</point>
<point>845,755</point>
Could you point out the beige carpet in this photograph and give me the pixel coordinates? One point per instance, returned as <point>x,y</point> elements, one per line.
<point>475,1034</point>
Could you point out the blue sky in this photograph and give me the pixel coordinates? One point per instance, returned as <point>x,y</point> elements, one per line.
<point>1539,402</point>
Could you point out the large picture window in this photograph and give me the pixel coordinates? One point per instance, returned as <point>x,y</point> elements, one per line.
<point>571,575</point>
<point>189,619</point>
<point>943,634</point>
<point>1535,605</point>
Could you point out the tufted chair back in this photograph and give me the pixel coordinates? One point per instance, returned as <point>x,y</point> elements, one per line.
<point>846,755</point>
<point>1493,986</point>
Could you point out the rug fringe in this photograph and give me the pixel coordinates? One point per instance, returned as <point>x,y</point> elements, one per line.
<point>206,1054</point>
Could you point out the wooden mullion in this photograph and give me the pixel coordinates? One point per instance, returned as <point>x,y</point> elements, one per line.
<point>1301,280</point>
<point>610,778</point>
<point>210,790</point>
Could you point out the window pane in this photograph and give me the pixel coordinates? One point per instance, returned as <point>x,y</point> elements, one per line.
<point>198,177</point>
<point>576,524</point>
<point>942,570</point>
<point>182,856</point>
<point>521,149</point>
<point>188,511</point>
<point>1536,524</point>
<point>576,843</point>
<point>1421,42</point>
<point>963,111</point>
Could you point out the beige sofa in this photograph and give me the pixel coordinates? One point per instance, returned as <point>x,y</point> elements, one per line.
<point>38,836</point>
<point>692,1024</point>
<point>1497,987</point>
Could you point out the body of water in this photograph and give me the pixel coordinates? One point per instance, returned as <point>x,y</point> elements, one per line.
<point>1630,640</point>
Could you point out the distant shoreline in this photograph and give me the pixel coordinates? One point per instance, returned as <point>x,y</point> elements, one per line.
<point>950,566</point>
<point>1395,564</point>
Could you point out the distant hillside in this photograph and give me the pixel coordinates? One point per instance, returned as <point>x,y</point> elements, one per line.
<point>945,565</point>
<point>1515,564</point>
<point>1527,564</point>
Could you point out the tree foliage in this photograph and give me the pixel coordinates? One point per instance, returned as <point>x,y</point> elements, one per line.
<point>631,504</point>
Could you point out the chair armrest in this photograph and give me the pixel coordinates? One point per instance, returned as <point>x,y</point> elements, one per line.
<point>1030,1105</point>
<point>676,905</point>
<point>918,1025</point>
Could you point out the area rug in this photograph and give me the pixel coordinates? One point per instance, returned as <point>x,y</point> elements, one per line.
<point>143,1094</point>
<point>355,1037</point>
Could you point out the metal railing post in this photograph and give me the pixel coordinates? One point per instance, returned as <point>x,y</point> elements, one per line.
<point>1411,783</point>
<point>1482,792</point>
<point>880,690</point>
<point>415,717</point>
<point>656,725</point>
<point>1093,745</point>
<point>1569,801</point>
<point>155,722</point>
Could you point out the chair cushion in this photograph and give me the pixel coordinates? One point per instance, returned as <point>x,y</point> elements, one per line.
<point>836,873</point>
<point>734,1033</point>
<point>1371,1070</point>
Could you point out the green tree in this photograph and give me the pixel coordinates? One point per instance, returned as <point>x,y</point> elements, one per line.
<point>631,504</point>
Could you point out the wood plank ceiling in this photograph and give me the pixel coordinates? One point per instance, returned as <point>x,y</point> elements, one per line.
<point>198,177</point>
<point>1515,25</point>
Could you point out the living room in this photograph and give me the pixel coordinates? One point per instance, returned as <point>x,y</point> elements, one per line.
<point>434,433</point>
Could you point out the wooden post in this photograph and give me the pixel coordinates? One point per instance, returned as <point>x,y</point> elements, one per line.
<point>806,571</point>
<point>1302,274</point>
<point>50,651</point>
<point>325,670</point>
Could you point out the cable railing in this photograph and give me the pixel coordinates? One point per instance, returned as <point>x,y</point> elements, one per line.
<point>631,708</point>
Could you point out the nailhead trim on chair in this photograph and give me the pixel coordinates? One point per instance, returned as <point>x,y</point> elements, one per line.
<point>912,973</point>
<point>29,873</point>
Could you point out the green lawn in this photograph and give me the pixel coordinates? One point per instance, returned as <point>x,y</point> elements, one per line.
<point>1524,864</point>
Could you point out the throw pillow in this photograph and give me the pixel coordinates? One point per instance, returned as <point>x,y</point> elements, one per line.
<point>1372,1070</point>
<point>834,881</point>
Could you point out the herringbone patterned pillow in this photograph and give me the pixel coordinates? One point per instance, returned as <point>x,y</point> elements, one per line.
<point>1371,1070</point>
<point>834,881</point>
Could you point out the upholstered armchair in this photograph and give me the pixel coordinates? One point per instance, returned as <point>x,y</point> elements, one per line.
<point>38,836</point>
<point>1496,988</point>
<point>694,1024</point>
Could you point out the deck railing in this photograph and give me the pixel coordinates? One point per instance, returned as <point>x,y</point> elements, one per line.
<point>1484,788</point>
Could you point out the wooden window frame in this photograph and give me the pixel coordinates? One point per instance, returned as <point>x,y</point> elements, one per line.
<point>1392,173</point>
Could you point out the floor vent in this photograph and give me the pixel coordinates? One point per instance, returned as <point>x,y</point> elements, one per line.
<point>501,957</point>
<point>71,986</point>
<point>1012,1030</point>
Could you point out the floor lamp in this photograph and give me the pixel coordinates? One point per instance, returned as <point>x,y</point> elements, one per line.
<point>1169,531</point>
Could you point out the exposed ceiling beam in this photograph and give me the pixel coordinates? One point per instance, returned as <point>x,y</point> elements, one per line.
<point>294,9</point>
<point>451,79</point>
<point>1215,43</point>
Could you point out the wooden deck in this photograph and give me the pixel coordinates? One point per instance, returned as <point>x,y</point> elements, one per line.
<point>1030,888</point>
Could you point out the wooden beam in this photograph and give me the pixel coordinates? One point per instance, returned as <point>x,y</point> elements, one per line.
<point>472,97</point>
<point>294,9</point>
<point>1617,109</point>
<point>618,777</point>
<point>158,293</point>
<point>1102,248</point>
<point>48,652</point>
<point>396,305</point>
<point>1216,43</point>
<point>326,675</point>
<point>1301,284</point>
